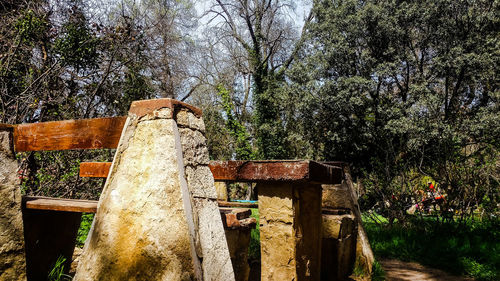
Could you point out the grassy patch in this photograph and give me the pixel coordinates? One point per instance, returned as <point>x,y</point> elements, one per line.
<point>254,248</point>
<point>472,249</point>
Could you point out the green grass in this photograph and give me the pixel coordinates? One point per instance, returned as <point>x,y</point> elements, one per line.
<point>254,248</point>
<point>57,272</point>
<point>84,229</point>
<point>472,249</point>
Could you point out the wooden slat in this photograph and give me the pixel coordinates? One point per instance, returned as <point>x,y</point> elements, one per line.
<point>237,204</point>
<point>70,134</point>
<point>90,206</point>
<point>60,204</point>
<point>254,171</point>
<point>94,169</point>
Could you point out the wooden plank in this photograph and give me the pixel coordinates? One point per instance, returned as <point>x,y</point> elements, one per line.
<point>240,213</point>
<point>236,204</point>
<point>94,169</point>
<point>254,171</point>
<point>90,206</point>
<point>275,170</point>
<point>70,134</point>
<point>59,204</point>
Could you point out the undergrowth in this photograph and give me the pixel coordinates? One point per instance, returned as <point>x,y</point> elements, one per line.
<point>254,248</point>
<point>84,229</point>
<point>471,249</point>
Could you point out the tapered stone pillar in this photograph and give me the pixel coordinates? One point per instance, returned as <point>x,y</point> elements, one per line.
<point>157,217</point>
<point>290,230</point>
<point>12,260</point>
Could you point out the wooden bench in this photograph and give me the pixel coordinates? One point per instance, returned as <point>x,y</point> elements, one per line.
<point>51,224</point>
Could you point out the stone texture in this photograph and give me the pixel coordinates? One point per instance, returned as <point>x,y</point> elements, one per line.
<point>290,231</point>
<point>343,197</point>
<point>12,260</point>
<point>186,118</point>
<point>142,228</point>
<point>338,246</point>
<point>221,189</point>
<point>194,147</point>
<point>214,251</point>
<point>211,243</point>
<point>201,182</point>
<point>158,217</point>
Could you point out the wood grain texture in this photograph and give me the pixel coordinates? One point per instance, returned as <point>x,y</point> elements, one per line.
<point>250,171</point>
<point>70,134</point>
<point>90,206</point>
<point>59,204</point>
<point>94,169</point>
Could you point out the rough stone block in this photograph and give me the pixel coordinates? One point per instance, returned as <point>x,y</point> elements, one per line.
<point>194,147</point>
<point>238,240</point>
<point>141,230</point>
<point>343,196</point>
<point>12,260</point>
<point>201,182</point>
<point>290,231</point>
<point>156,218</point>
<point>221,189</point>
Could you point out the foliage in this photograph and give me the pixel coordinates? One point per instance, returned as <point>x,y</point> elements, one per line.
<point>84,229</point>
<point>402,90</point>
<point>77,46</point>
<point>470,249</point>
<point>57,272</point>
<point>254,248</point>
<point>243,149</point>
<point>30,27</point>
<point>378,273</point>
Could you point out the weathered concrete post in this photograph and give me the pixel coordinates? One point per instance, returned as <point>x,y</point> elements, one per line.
<point>157,217</point>
<point>12,260</point>
<point>290,230</point>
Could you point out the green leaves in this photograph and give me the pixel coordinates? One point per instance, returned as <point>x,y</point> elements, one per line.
<point>77,46</point>
<point>30,27</point>
<point>241,138</point>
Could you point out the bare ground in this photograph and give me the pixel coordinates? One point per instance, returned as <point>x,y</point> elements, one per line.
<point>396,270</point>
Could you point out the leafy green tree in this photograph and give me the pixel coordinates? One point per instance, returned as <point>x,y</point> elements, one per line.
<point>242,146</point>
<point>402,86</point>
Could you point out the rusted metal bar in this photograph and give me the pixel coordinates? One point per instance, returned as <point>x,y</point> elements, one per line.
<point>250,171</point>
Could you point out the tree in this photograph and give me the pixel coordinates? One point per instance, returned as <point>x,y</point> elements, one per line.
<point>257,36</point>
<point>402,86</point>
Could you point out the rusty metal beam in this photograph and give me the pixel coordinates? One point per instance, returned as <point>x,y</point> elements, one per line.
<point>250,171</point>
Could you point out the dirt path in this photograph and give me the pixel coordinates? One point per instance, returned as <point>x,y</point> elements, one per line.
<point>396,270</point>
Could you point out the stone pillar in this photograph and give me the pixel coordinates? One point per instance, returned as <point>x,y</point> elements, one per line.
<point>290,231</point>
<point>221,188</point>
<point>12,260</point>
<point>157,217</point>
<point>343,197</point>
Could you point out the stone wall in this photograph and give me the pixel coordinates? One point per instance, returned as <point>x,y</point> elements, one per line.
<point>12,260</point>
